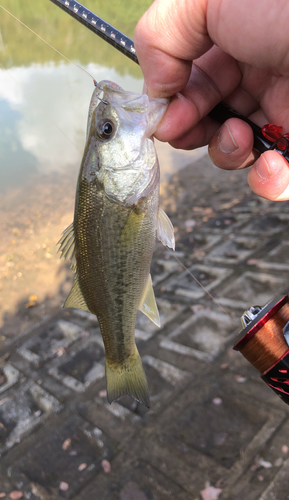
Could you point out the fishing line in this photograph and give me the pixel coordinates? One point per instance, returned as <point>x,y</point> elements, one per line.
<point>47,43</point>
<point>95,83</point>
<point>40,107</point>
<point>205,290</point>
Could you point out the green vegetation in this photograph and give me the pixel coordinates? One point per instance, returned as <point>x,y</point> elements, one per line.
<point>19,47</point>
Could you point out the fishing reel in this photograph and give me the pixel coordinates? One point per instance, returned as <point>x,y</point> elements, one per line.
<point>264,342</point>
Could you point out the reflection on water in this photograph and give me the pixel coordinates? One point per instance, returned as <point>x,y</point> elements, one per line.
<point>16,163</point>
<point>43,113</point>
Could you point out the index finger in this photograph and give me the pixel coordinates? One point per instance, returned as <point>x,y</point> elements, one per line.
<point>169,36</point>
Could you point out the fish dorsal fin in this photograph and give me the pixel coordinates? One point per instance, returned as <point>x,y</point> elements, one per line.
<point>149,306</point>
<point>75,298</point>
<point>165,230</point>
<point>67,245</point>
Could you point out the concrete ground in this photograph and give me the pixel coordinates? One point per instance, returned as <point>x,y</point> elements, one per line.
<point>214,430</point>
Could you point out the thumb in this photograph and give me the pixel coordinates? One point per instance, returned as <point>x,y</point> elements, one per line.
<point>269,176</point>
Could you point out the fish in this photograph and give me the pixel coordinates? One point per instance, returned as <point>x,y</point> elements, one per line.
<point>117,218</point>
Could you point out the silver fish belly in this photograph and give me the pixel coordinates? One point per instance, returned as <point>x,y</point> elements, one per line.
<point>117,217</point>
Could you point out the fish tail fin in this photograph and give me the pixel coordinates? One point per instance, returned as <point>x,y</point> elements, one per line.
<point>127,378</point>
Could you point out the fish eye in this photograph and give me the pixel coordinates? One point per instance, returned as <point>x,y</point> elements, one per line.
<point>105,129</point>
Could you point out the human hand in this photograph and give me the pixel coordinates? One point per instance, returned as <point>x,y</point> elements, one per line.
<point>199,52</point>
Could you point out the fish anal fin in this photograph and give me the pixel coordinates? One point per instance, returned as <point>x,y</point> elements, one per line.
<point>165,230</point>
<point>148,304</point>
<point>75,298</point>
<point>127,377</point>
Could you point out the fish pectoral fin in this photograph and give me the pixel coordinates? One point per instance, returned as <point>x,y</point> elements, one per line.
<point>127,377</point>
<point>75,298</point>
<point>130,232</point>
<point>165,230</point>
<point>67,245</point>
<point>149,306</point>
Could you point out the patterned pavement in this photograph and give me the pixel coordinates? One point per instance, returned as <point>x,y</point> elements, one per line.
<point>214,430</point>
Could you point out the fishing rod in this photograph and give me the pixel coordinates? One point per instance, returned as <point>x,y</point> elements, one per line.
<point>267,138</point>
<point>264,340</point>
<point>99,27</point>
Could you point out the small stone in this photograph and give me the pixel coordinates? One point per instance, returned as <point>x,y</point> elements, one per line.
<point>103,393</point>
<point>265,464</point>
<point>217,401</point>
<point>196,308</point>
<point>240,379</point>
<point>59,351</point>
<point>2,495</point>
<point>230,255</point>
<point>224,366</point>
<point>63,486</point>
<point>31,303</point>
<point>260,477</point>
<point>190,223</point>
<point>210,493</point>
<point>278,462</point>
<point>284,449</point>
<point>105,464</point>
<point>66,444</point>
<point>82,467</point>
<point>15,495</point>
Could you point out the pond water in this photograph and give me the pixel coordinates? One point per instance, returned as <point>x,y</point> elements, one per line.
<point>43,112</point>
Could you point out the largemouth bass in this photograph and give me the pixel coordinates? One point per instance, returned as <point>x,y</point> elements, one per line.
<point>116,220</point>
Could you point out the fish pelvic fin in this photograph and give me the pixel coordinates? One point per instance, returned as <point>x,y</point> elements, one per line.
<point>165,230</point>
<point>75,298</point>
<point>148,303</point>
<point>127,377</point>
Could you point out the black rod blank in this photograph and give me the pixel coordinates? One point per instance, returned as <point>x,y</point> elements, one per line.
<point>100,27</point>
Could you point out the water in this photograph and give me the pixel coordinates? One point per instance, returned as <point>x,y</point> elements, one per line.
<point>43,113</point>
<point>44,120</point>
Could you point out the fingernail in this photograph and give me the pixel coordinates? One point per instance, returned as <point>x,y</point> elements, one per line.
<point>226,141</point>
<point>263,169</point>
